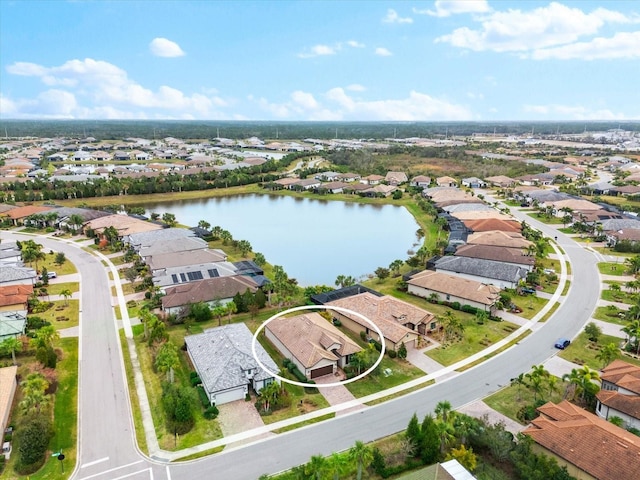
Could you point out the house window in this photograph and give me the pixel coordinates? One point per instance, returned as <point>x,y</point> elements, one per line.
<point>432,326</point>
<point>448,297</point>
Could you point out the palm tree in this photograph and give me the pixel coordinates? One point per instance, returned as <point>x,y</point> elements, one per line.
<point>362,455</point>
<point>337,465</point>
<point>231,308</point>
<point>536,377</point>
<point>583,379</point>
<point>395,266</point>
<point>45,337</point>
<point>608,353</point>
<point>632,330</point>
<point>615,288</point>
<point>270,394</point>
<point>204,225</point>
<point>519,382</point>
<point>316,467</point>
<point>75,221</point>
<point>633,264</point>
<point>13,345</point>
<point>66,293</point>
<point>33,393</point>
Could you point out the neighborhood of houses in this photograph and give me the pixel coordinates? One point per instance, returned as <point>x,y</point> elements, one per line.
<point>485,253</point>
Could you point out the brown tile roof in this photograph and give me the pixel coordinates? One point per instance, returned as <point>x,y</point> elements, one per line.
<point>124,224</point>
<point>15,294</point>
<point>592,444</point>
<point>309,336</point>
<point>499,238</point>
<point>481,215</point>
<point>458,286</point>
<point>388,313</point>
<point>629,404</point>
<point>627,234</point>
<point>500,254</point>
<point>23,212</point>
<point>207,290</point>
<point>447,180</point>
<point>622,374</point>
<point>501,180</point>
<point>574,204</point>
<point>493,224</point>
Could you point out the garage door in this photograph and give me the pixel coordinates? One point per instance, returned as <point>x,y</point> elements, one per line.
<point>319,372</point>
<point>229,396</point>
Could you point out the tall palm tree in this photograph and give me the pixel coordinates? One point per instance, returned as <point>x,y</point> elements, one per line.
<point>316,467</point>
<point>362,455</point>
<point>13,345</point>
<point>608,353</point>
<point>583,379</point>
<point>66,293</point>
<point>337,465</point>
<point>167,359</point>
<point>632,330</point>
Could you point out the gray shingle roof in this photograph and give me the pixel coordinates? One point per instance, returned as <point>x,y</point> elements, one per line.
<point>12,273</point>
<point>481,268</point>
<point>221,356</point>
<point>145,239</point>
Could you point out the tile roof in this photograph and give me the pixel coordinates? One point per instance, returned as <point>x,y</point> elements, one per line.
<point>178,259</point>
<point>487,224</point>
<point>147,239</point>
<point>497,253</point>
<point>15,294</point>
<point>163,246</point>
<point>207,290</point>
<point>458,286</point>
<point>124,224</point>
<point>629,404</point>
<point>307,337</point>
<point>482,215</point>
<point>574,204</point>
<point>498,238</point>
<point>23,212</point>
<point>622,374</point>
<point>592,444</point>
<point>221,356</point>
<point>388,313</point>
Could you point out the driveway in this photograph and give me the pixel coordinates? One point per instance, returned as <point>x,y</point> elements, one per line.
<point>336,395</point>
<point>479,409</point>
<point>238,416</point>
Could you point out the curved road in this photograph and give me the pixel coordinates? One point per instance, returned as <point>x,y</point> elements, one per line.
<point>107,445</point>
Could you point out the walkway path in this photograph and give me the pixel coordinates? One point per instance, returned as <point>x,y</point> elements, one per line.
<point>338,394</point>
<point>238,416</point>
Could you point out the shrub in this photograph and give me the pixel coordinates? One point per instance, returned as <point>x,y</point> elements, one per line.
<point>193,374</point>
<point>376,344</point>
<point>32,440</point>
<point>363,336</point>
<point>211,412</point>
<point>455,305</point>
<point>132,304</point>
<point>178,403</point>
<point>469,309</point>
<point>202,395</point>
<point>195,381</point>
<point>36,323</point>
<point>286,362</point>
<point>47,357</point>
<point>337,322</point>
<point>402,351</point>
<point>392,353</point>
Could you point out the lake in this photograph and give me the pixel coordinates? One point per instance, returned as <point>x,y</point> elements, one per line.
<point>314,240</point>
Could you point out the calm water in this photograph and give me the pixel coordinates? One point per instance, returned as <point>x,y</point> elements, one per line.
<point>314,240</point>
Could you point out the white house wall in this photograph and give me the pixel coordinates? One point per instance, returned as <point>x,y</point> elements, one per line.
<point>426,293</point>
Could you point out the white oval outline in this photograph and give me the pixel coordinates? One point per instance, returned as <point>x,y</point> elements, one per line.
<point>315,307</point>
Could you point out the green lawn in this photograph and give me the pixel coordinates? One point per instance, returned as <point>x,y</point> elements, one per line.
<point>119,260</point>
<point>401,372</point>
<point>61,310</point>
<point>57,288</point>
<point>530,305</point>
<point>49,262</point>
<point>620,296</point>
<point>548,220</point>
<point>610,314</point>
<point>511,399</point>
<point>127,288</point>
<point>475,338</point>
<point>612,268</point>
<point>583,352</point>
<point>133,395</point>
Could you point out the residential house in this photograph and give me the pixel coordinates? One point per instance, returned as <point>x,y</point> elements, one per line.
<point>334,187</point>
<point>474,182</point>
<point>379,191</point>
<point>499,238</point>
<point>372,179</point>
<point>224,361</point>
<point>631,235</point>
<point>348,177</point>
<point>212,291</point>
<point>8,386</point>
<point>466,206</point>
<point>306,184</point>
<point>327,176</point>
<point>12,324</point>
<point>502,275</point>
<point>536,179</point>
<point>501,181</point>
<point>451,288</point>
<point>491,224</point>
<point>15,297</point>
<point>182,259</point>
<point>446,182</point>
<point>421,181</point>
<point>620,393</point>
<point>396,178</point>
<point>124,224</point>
<point>512,256</point>
<point>399,322</point>
<point>311,342</point>
<point>589,446</point>
<point>286,182</point>
<point>16,275</point>
<point>20,214</point>
<point>186,244</point>
<point>169,276</point>
<point>138,241</point>
<point>10,253</point>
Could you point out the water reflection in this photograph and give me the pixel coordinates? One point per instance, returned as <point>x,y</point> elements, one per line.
<point>315,241</point>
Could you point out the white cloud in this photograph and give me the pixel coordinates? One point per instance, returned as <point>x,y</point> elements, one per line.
<point>355,44</point>
<point>383,52</point>
<point>102,90</point>
<point>573,112</point>
<point>393,17</point>
<point>445,8</point>
<point>318,50</point>
<point>621,45</point>
<point>338,105</point>
<point>356,87</point>
<point>515,30</point>
<point>162,47</point>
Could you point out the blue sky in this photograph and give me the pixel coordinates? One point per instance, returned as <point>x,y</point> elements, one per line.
<point>320,60</point>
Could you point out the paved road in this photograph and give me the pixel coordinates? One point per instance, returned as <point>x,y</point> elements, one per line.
<point>108,450</point>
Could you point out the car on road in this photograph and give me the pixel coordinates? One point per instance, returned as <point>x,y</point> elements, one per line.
<point>562,343</point>
<point>49,275</point>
